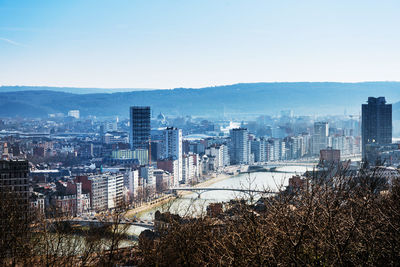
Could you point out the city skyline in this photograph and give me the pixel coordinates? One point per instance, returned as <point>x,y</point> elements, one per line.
<point>155,44</point>
<point>199,133</point>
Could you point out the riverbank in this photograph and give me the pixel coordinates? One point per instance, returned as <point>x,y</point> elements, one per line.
<point>148,206</point>
<point>164,200</point>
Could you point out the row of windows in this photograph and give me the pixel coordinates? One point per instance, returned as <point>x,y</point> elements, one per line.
<point>15,188</point>
<point>13,181</point>
<point>14,174</point>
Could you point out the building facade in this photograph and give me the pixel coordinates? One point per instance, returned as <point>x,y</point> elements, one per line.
<point>171,166</point>
<point>240,147</point>
<point>131,183</point>
<point>320,137</point>
<point>14,190</point>
<point>172,148</point>
<point>139,127</point>
<point>376,125</point>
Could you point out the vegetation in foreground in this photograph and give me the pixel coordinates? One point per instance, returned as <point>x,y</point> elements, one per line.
<point>343,220</point>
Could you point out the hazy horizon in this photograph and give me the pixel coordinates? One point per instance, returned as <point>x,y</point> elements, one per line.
<point>126,89</point>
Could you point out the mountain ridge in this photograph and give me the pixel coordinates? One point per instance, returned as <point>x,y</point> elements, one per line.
<point>243,99</point>
<point>94,90</point>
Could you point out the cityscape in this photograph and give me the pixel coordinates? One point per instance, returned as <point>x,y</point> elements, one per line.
<point>240,174</point>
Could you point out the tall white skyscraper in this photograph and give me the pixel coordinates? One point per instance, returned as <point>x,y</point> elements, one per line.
<point>172,148</point>
<point>240,151</point>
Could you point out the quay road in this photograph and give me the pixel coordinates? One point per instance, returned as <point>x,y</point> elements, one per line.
<point>306,162</point>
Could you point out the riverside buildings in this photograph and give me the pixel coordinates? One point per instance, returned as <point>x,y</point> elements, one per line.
<point>320,137</point>
<point>171,166</point>
<point>102,146</point>
<point>259,149</point>
<point>106,190</point>
<point>376,124</point>
<point>240,146</point>
<point>220,155</point>
<point>172,150</point>
<point>131,182</point>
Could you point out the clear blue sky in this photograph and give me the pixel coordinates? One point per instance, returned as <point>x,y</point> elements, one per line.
<point>185,43</point>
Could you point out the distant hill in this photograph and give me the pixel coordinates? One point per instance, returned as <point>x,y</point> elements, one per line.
<point>232,100</point>
<point>73,90</point>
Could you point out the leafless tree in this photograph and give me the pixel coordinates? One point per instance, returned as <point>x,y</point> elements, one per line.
<point>333,220</point>
<point>115,232</point>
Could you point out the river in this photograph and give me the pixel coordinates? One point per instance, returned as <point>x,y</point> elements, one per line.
<point>190,204</point>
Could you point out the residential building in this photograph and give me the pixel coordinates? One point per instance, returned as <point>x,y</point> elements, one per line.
<point>99,192</point>
<point>107,191</point>
<point>146,172</point>
<point>240,152</point>
<point>131,183</point>
<point>320,137</point>
<point>171,166</point>
<point>297,147</point>
<point>115,185</point>
<point>188,168</point>
<point>221,154</point>
<point>163,179</point>
<point>258,148</point>
<point>172,148</point>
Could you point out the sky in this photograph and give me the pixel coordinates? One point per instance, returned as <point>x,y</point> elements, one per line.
<point>192,44</point>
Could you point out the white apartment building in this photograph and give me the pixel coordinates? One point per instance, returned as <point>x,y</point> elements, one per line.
<point>240,152</point>
<point>221,154</point>
<point>189,167</point>
<point>131,182</point>
<point>172,148</point>
<point>107,191</point>
<point>147,174</point>
<point>320,137</point>
<point>99,197</point>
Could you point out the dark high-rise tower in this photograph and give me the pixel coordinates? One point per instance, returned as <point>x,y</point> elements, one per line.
<point>376,123</point>
<point>14,198</point>
<point>140,127</point>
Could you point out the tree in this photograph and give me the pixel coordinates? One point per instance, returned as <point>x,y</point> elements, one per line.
<point>340,220</point>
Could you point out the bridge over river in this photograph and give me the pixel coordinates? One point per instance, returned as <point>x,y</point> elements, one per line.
<point>200,190</point>
<point>144,224</point>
